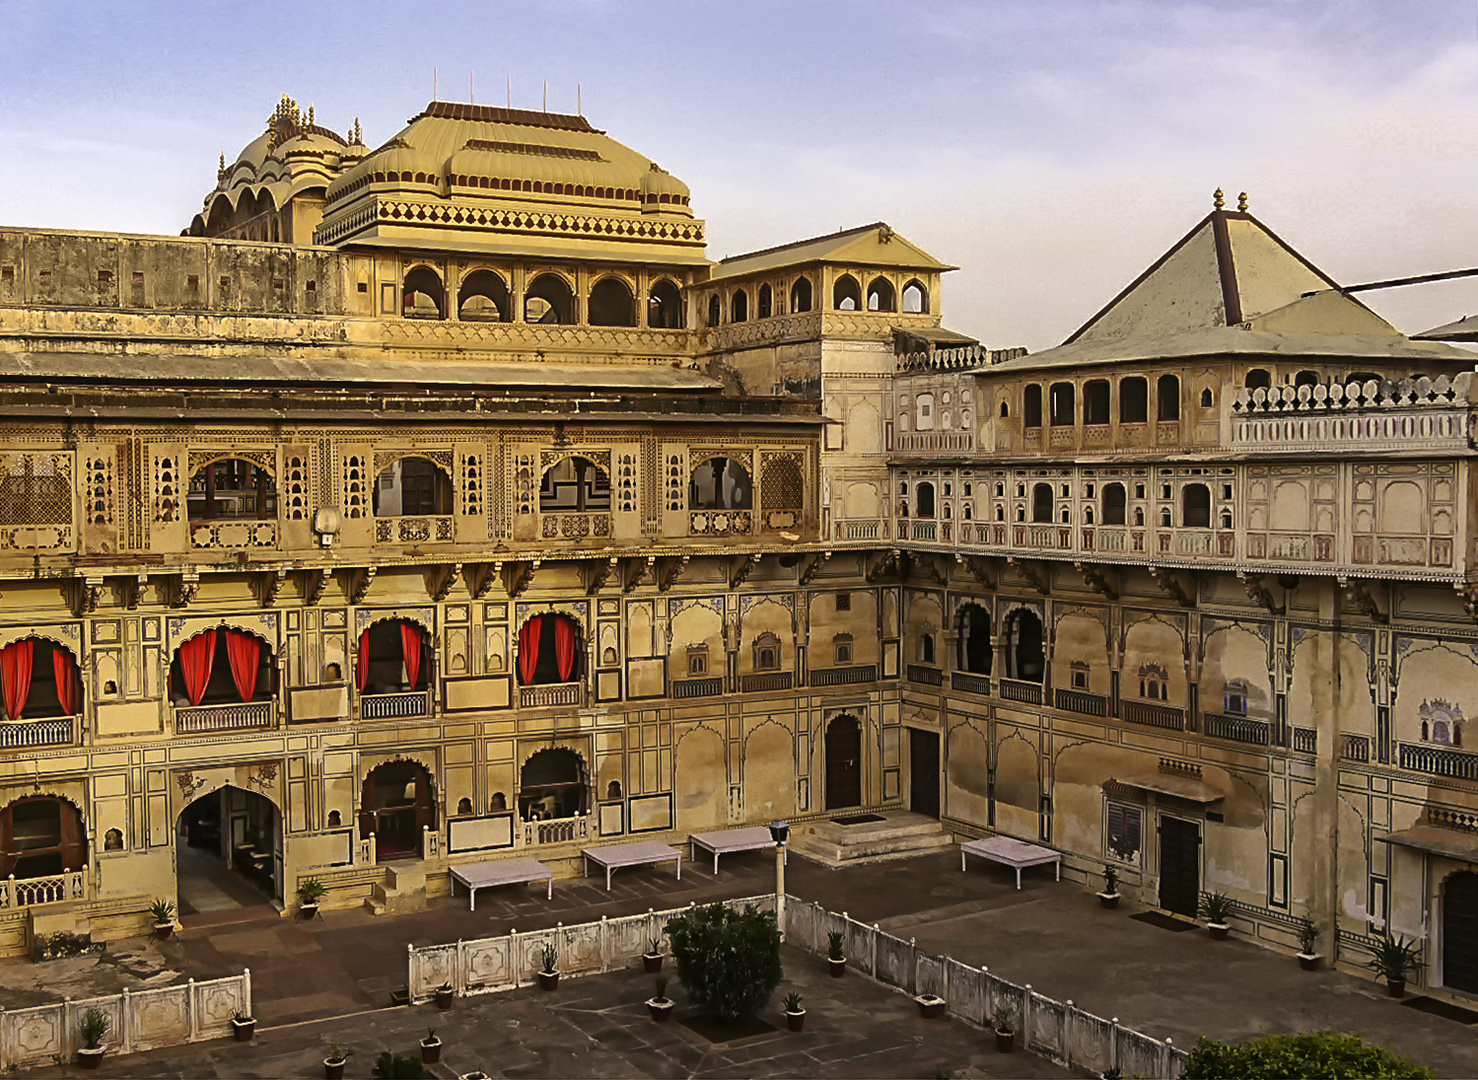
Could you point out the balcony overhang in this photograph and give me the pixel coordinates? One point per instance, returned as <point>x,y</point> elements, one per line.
<point>1182,787</point>
<point>1449,843</point>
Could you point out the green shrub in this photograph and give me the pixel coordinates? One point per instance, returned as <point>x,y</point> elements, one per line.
<point>1315,1055</point>
<point>728,961</point>
<point>394,1067</point>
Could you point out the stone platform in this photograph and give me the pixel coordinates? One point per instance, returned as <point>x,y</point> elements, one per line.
<point>898,835</point>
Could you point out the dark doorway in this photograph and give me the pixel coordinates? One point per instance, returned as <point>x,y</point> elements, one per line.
<point>396,802</point>
<point>1180,866</point>
<point>923,772</point>
<point>228,849</point>
<point>1460,932</point>
<point>843,763</point>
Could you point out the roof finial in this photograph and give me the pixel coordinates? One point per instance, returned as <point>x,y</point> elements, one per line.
<point>1216,200</point>
<point>1242,202</point>
<point>310,115</point>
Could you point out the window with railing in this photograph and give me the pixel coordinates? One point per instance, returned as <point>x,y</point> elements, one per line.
<point>41,835</point>
<point>392,669</point>
<point>222,680</point>
<point>550,649</point>
<point>232,489</point>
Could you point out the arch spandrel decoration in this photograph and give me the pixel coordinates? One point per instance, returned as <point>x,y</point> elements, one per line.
<point>70,793</point>
<point>439,457</point>
<point>550,458</point>
<point>264,459</point>
<point>424,617</point>
<point>67,635</point>
<point>263,625</point>
<point>580,747</point>
<point>579,610</point>
<point>424,757</point>
<point>264,778</point>
<point>697,457</point>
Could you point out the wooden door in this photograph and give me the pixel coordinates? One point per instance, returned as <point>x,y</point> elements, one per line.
<point>417,486</point>
<point>1460,932</point>
<point>843,763</point>
<point>1180,865</point>
<point>923,772</point>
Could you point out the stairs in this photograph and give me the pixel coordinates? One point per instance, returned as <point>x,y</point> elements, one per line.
<point>403,891</point>
<point>900,835</point>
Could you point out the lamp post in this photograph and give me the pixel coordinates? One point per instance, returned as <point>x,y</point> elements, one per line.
<point>779,832</point>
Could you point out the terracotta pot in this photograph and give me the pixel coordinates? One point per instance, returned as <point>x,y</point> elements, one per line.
<point>651,962</point>
<point>444,998</point>
<point>1219,931</point>
<point>838,968</point>
<point>164,930</point>
<point>548,980</point>
<point>1005,1042</point>
<point>430,1052</point>
<point>1308,961</point>
<point>90,1059</point>
<point>1109,900</point>
<point>1396,987</point>
<point>333,1070</point>
<point>795,1021</point>
<point>660,1010</point>
<point>243,1029</point>
<point>930,1008</point>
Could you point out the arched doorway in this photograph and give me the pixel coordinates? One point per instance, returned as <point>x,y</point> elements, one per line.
<point>228,852</point>
<point>41,836</point>
<point>843,762</point>
<point>396,802</point>
<point>1460,932</point>
<point>552,784</point>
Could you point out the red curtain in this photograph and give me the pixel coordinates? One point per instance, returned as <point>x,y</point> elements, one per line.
<point>528,649</point>
<point>196,657</point>
<point>564,648</point>
<point>244,651</point>
<point>15,676</point>
<point>410,648</point>
<point>361,663</point>
<point>66,679</point>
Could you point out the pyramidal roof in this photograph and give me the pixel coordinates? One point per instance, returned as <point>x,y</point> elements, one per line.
<point>1232,286</point>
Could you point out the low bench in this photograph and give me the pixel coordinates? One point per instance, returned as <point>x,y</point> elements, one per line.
<point>1011,852</point>
<point>726,841</point>
<point>640,853</point>
<point>486,875</point>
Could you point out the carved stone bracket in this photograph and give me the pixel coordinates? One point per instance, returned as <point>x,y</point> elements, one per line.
<point>1468,591</point>
<point>316,584</point>
<point>487,578</point>
<point>361,583</point>
<point>185,589</point>
<point>1094,578</point>
<point>269,584</point>
<point>637,571</point>
<point>598,573</point>
<point>741,567</point>
<point>885,566</point>
<point>445,581</point>
<point>133,591</point>
<point>1032,573</point>
<point>1259,595</point>
<point>89,593</point>
<point>672,569</point>
<point>1170,585</point>
<point>808,572</point>
<point>520,576</point>
<point>1360,597</point>
<point>978,568</point>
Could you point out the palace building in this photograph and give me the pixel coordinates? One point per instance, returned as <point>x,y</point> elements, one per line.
<point>442,501</point>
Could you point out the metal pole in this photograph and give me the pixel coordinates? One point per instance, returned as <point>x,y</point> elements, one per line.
<point>780,888</point>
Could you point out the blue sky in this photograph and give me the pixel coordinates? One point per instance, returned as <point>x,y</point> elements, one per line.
<point>1050,148</point>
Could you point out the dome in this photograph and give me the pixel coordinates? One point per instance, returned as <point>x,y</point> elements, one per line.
<point>660,188</point>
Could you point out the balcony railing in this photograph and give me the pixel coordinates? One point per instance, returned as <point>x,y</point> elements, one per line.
<point>930,676</point>
<point>1080,701</point>
<point>550,695</point>
<point>1354,747</point>
<point>969,682</point>
<point>51,731</point>
<point>238,716</point>
<point>52,889</point>
<point>407,530</point>
<point>688,688</point>
<point>1237,729</point>
<point>861,530</point>
<point>557,830</point>
<point>768,680</point>
<point>1436,761</point>
<point>1161,716</point>
<point>574,526</point>
<point>839,676</point>
<point>395,706</point>
<point>926,530</point>
<point>1305,740</point>
<point>1016,690</point>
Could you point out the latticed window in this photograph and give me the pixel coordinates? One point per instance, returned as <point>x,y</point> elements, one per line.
<point>35,489</point>
<point>781,486</point>
<point>1125,831</point>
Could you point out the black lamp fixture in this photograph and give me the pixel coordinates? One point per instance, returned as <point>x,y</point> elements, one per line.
<point>779,831</point>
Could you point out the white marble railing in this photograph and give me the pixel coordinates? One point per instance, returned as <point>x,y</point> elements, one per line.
<point>51,889</point>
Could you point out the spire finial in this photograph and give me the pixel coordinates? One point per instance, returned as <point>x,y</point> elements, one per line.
<point>310,115</point>
<point>1216,199</point>
<point>1242,202</point>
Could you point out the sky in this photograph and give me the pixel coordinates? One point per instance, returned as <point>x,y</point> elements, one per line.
<point>1052,149</point>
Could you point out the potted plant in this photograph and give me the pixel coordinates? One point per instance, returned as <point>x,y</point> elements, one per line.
<point>659,1004</point>
<point>1003,1020</point>
<point>652,959</point>
<point>445,995</point>
<point>310,894</point>
<point>162,912</point>
<point>430,1048</point>
<point>1308,940</point>
<point>1216,909</point>
<point>548,973</point>
<point>795,1016</point>
<point>243,1026</point>
<point>333,1064</point>
<point>1394,959</point>
<point>834,954</point>
<point>931,1006</point>
<point>1110,896</point>
<point>95,1024</point>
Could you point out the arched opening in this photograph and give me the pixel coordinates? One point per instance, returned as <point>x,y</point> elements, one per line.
<point>1096,401</point>
<point>924,496</point>
<point>665,306</point>
<point>549,300</point>
<point>1208,399</point>
<point>739,306</point>
<point>846,294</point>
<point>1062,406</point>
<point>1259,378</point>
<point>765,306</point>
<point>880,295</point>
<point>843,762</point>
<point>612,303</point>
<point>1134,400</point>
<point>1115,502</point>
<point>38,679</point>
<point>1195,506</point>
<point>232,489</point>
<point>228,852</point>
<point>1167,395</point>
<point>484,298</point>
<point>553,783</point>
<point>412,486</point>
<point>1460,932</point>
<point>975,653</point>
<point>221,667</point>
<point>396,802</point>
<point>915,298</point>
<point>715,311</point>
<point>422,294</point>
<point>41,835</point>
<point>550,650</point>
<point>720,483</point>
<point>1042,503</point>
<point>1025,659</point>
<point>394,657</point>
<point>1031,407</point>
<point>1306,378</point>
<point>800,295</point>
<point>574,485</point>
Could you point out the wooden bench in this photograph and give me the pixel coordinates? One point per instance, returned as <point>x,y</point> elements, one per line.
<point>726,841</point>
<point>1011,852</point>
<point>486,875</point>
<point>639,853</point>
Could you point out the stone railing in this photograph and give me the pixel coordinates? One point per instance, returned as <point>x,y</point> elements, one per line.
<point>412,530</point>
<point>1236,728</point>
<point>969,682</point>
<point>1456,820</point>
<point>394,706</point>
<point>854,529</point>
<point>1439,761</point>
<point>1354,747</point>
<point>1419,413</point>
<point>691,688</point>
<point>238,716</point>
<point>1016,690</point>
<point>51,889</point>
<point>934,441</point>
<point>1160,716</point>
<point>767,680</point>
<point>840,676</point>
<point>922,673</point>
<point>557,830</point>
<point>1305,740</point>
<point>1080,701</point>
<point>51,731</point>
<point>1421,392</point>
<point>550,695</point>
<point>574,526</point>
<point>963,358</point>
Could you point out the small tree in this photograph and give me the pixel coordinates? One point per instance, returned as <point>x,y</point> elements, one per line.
<point>1315,1055</point>
<point>728,961</point>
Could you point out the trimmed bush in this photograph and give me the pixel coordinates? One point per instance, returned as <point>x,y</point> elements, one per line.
<point>1321,1055</point>
<point>728,961</point>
